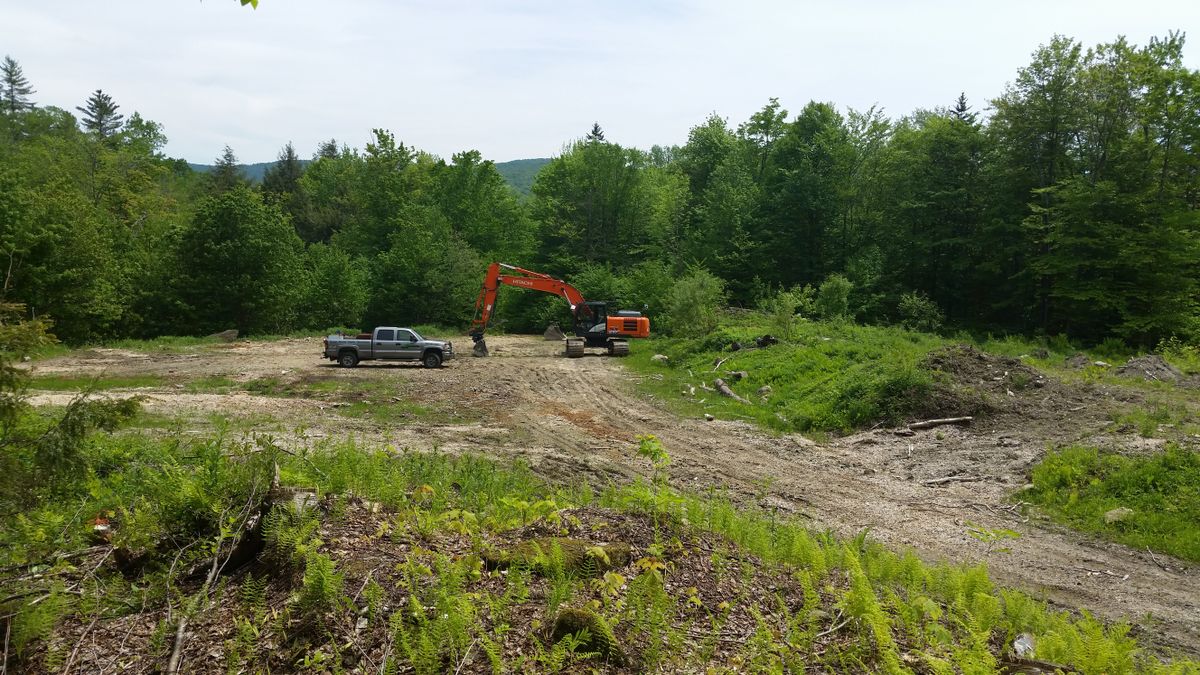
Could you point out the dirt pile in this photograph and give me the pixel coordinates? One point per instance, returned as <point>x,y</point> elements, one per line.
<point>1150,367</point>
<point>970,382</point>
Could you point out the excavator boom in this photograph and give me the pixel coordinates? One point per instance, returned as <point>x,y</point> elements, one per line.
<point>593,326</point>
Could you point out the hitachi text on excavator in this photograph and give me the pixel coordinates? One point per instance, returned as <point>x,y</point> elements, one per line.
<point>594,325</point>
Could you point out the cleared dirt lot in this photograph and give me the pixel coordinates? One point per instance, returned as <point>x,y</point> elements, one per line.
<point>579,418</point>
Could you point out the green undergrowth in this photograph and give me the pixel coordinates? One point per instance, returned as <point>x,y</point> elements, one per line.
<point>826,377</point>
<point>1159,417</point>
<point>836,376</point>
<point>1079,485</point>
<point>397,546</point>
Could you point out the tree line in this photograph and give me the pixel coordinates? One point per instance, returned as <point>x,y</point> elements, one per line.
<point>1065,205</point>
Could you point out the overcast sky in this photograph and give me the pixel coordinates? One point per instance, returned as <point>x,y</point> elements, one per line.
<point>518,79</point>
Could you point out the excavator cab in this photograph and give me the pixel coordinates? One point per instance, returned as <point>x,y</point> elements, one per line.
<point>595,327</point>
<point>591,323</point>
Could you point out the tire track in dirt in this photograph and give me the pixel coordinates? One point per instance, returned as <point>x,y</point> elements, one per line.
<point>577,417</point>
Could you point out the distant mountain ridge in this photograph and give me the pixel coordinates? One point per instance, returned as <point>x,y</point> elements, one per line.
<point>518,173</point>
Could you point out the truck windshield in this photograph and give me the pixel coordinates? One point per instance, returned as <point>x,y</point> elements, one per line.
<point>417,336</point>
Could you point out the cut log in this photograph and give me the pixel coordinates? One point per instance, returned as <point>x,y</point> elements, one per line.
<point>929,424</point>
<point>724,390</point>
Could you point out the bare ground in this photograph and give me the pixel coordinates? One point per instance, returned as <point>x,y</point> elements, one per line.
<point>575,418</point>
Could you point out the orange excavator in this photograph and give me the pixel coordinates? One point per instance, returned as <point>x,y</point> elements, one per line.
<point>594,325</point>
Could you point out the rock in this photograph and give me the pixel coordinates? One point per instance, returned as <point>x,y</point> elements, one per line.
<point>1117,515</point>
<point>708,418</point>
<point>1023,646</point>
<point>600,638</point>
<point>766,340</point>
<point>1102,364</point>
<point>660,359</point>
<point>735,346</point>
<point>1078,361</point>
<point>225,335</point>
<point>738,375</point>
<point>553,333</point>
<point>764,390</point>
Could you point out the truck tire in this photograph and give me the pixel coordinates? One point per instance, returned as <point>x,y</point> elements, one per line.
<point>348,359</point>
<point>431,360</point>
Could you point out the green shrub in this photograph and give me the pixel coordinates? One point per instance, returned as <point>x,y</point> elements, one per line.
<point>833,297</point>
<point>919,312</point>
<point>694,303</point>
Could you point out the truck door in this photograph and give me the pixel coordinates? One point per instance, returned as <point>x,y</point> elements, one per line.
<point>385,344</point>
<point>407,345</point>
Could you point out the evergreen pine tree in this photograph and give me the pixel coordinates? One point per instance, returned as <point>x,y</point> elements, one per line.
<point>14,88</point>
<point>226,174</point>
<point>283,176</point>
<point>100,114</point>
<point>596,135</point>
<point>962,111</point>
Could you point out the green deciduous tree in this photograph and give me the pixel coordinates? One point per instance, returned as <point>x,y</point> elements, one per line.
<point>239,266</point>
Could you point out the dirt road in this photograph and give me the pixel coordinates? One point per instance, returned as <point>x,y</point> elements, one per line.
<point>569,418</point>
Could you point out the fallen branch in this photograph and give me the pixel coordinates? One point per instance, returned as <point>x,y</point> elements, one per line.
<point>724,390</point>
<point>929,424</point>
<point>1155,560</point>
<point>835,628</point>
<point>961,478</point>
<point>718,363</point>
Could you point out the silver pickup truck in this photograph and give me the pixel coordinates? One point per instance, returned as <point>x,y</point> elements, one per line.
<point>390,343</point>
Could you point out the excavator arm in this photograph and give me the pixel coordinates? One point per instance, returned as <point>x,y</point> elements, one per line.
<point>485,304</point>
<point>593,325</point>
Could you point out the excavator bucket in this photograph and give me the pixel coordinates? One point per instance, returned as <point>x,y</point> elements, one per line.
<point>480,348</point>
<point>553,333</point>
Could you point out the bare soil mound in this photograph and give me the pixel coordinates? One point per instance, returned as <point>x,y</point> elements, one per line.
<point>971,382</point>
<point>1150,367</point>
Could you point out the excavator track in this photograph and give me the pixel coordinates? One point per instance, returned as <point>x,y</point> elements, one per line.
<point>618,348</point>
<point>574,348</point>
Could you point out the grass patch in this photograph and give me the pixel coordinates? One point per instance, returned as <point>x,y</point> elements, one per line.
<point>1159,418</point>
<point>1078,486</point>
<point>401,411</point>
<point>399,542</point>
<point>829,377</point>
<point>99,383</point>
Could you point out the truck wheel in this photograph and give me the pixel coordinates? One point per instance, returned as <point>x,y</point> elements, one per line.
<point>347,359</point>
<point>432,360</point>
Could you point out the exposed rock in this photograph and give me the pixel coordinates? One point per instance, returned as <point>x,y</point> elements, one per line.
<point>1117,515</point>
<point>766,340</point>
<point>738,375</point>
<point>1078,361</point>
<point>660,359</point>
<point>764,390</point>
<point>225,335</point>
